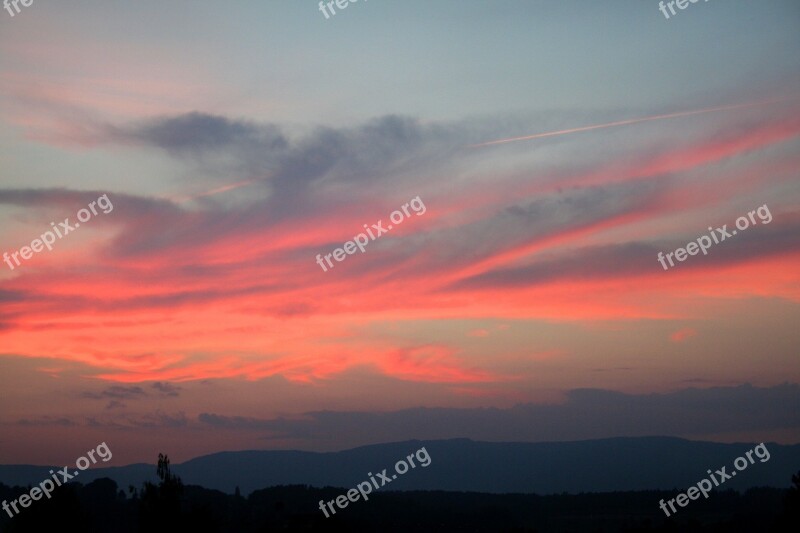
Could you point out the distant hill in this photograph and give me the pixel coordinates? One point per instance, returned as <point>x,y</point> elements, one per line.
<point>619,464</point>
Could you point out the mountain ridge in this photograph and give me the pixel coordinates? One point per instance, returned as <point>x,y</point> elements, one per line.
<point>461,464</point>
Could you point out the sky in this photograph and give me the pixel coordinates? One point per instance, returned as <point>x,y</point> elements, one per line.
<point>545,153</point>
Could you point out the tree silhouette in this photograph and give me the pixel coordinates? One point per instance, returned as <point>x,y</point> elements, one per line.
<point>792,502</point>
<point>160,505</point>
<point>163,470</point>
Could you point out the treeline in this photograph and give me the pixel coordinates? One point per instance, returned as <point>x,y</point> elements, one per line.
<point>170,506</point>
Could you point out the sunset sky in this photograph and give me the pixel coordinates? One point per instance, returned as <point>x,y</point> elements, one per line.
<point>236,141</point>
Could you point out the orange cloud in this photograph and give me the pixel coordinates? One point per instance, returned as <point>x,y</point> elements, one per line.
<point>682,334</point>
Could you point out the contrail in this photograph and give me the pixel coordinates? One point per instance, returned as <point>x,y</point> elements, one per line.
<point>630,121</point>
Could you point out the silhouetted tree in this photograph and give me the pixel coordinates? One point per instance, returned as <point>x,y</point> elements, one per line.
<point>792,502</point>
<point>160,506</point>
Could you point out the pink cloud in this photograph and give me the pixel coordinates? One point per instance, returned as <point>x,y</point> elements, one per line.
<point>683,334</point>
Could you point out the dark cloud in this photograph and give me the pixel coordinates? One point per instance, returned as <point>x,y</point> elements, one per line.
<point>345,162</point>
<point>153,420</point>
<point>374,151</point>
<point>197,132</point>
<point>146,222</point>
<point>586,414</point>
<point>547,216</point>
<point>47,421</point>
<point>159,420</point>
<point>167,389</point>
<point>117,392</point>
<point>233,422</point>
<point>47,197</point>
<point>633,259</point>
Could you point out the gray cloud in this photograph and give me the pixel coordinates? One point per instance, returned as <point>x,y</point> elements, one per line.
<point>47,421</point>
<point>167,389</point>
<point>586,414</point>
<point>632,259</point>
<point>372,151</point>
<point>116,392</point>
<point>198,132</point>
<point>233,422</point>
<point>155,420</point>
<point>159,419</point>
<point>351,159</point>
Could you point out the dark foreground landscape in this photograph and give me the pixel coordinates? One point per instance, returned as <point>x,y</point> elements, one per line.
<point>102,506</point>
<point>606,485</point>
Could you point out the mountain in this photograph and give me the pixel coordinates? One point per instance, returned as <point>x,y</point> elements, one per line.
<point>618,464</point>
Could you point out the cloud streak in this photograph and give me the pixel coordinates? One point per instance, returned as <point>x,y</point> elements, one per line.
<point>500,246</point>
